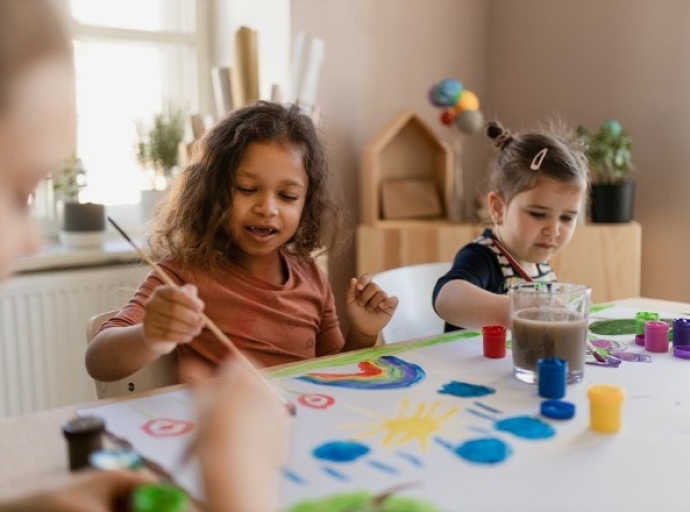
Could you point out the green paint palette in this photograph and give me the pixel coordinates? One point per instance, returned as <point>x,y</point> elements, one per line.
<point>365,502</point>
<point>617,327</point>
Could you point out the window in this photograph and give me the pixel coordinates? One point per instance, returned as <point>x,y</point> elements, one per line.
<point>133,58</point>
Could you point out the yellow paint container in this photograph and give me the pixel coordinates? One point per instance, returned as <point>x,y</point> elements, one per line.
<point>605,402</point>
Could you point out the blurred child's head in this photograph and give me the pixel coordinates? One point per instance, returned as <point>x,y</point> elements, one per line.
<point>37,113</point>
<point>538,187</point>
<point>197,224</point>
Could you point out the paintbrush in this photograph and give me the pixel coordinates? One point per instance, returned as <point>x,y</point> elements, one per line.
<point>523,273</point>
<point>209,323</point>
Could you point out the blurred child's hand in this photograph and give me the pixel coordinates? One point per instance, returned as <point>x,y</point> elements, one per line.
<point>241,438</point>
<point>92,491</point>
<point>172,315</point>
<point>369,308</point>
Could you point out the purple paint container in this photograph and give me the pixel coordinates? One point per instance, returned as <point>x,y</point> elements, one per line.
<point>656,336</point>
<point>681,332</point>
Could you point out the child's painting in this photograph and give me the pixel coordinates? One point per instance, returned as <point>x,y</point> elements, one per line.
<point>420,427</point>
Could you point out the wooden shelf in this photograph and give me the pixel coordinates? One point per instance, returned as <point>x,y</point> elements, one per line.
<point>605,256</point>
<point>405,149</point>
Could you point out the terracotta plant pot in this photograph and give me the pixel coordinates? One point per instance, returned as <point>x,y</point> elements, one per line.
<point>612,203</point>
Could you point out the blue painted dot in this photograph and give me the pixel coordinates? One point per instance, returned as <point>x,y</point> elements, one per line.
<point>465,390</point>
<point>526,427</point>
<point>484,451</point>
<point>340,451</point>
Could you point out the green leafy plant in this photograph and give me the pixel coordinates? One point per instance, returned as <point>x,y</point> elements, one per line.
<point>69,180</point>
<point>608,152</point>
<point>157,145</point>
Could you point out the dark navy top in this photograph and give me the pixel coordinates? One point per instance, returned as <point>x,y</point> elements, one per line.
<point>481,264</point>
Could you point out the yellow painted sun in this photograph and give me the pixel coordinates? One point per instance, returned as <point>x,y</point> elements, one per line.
<point>406,426</point>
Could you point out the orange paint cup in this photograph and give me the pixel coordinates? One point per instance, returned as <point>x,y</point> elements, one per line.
<point>605,402</point>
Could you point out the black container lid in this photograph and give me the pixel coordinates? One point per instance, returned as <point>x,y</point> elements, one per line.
<point>84,425</point>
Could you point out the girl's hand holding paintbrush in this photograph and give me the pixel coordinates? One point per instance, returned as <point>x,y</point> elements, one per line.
<point>172,315</point>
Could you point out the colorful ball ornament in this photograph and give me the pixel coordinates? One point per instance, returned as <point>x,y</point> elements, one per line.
<point>470,121</point>
<point>445,93</point>
<point>447,117</point>
<point>468,101</point>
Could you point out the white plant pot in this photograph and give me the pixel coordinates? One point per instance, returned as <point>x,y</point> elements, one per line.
<point>149,200</point>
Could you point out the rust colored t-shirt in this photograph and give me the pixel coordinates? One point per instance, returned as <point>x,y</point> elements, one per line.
<point>272,324</point>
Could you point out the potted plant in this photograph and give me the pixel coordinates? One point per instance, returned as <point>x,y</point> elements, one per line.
<point>612,197</point>
<point>157,151</point>
<point>82,224</point>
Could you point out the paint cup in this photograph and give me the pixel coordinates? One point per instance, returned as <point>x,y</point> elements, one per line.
<point>116,458</point>
<point>605,402</point>
<point>548,320</point>
<point>552,377</point>
<point>159,498</point>
<point>681,332</point>
<point>84,437</point>
<point>656,336</point>
<point>641,317</point>
<point>494,341</point>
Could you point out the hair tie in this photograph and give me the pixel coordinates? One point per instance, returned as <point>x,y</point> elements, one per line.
<point>503,140</point>
<point>538,159</point>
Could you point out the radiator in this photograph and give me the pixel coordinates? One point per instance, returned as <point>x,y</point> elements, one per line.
<point>43,333</point>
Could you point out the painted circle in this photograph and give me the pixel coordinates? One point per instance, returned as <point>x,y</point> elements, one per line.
<point>316,400</point>
<point>164,427</point>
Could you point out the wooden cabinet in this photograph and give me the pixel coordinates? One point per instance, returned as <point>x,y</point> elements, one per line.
<point>605,256</point>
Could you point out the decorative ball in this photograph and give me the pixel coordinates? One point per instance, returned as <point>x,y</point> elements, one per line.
<point>447,117</point>
<point>468,101</point>
<point>445,93</point>
<point>470,121</point>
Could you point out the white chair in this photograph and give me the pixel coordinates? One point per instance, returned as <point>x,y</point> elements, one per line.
<point>413,285</point>
<point>160,373</point>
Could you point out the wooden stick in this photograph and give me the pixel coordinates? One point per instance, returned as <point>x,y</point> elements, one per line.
<point>209,323</point>
<point>523,273</point>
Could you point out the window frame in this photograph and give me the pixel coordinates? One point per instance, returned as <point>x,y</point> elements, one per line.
<point>197,93</point>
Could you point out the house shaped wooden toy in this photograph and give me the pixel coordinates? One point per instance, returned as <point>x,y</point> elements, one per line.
<point>406,172</point>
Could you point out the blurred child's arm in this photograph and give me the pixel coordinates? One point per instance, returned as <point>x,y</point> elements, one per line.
<point>241,439</point>
<point>369,309</point>
<point>90,491</point>
<point>172,315</point>
<point>465,305</point>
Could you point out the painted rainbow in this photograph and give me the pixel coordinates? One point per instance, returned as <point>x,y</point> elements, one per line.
<point>385,372</point>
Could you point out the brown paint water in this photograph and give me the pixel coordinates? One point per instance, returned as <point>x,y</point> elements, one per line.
<point>548,332</point>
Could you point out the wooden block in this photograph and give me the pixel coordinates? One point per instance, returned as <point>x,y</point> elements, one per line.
<point>238,95</point>
<point>198,125</point>
<point>220,78</point>
<point>410,199</point>
<point>247,62</point>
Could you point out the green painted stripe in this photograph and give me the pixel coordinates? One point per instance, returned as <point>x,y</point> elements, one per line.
<point>357,356</point>
<point>596,309</point>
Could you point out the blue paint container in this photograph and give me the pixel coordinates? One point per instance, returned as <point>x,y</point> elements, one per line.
<point>552,377</point>
<point>681,332</point>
